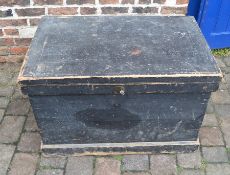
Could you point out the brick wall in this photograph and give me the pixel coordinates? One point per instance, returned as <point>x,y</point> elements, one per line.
<point>19,18</point>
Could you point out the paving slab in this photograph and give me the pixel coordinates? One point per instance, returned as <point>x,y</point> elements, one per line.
<point>79,166</point>
<point>226,60</point>
<point>163,164</point>
<point>221,97</point>
<point>31,124</point>
<point>189,160</point>
<point>211,136</point>
<point>225,127</point>
<point>222,110</point>
<point>210,120</point>
<point>220,62</point>
<point>23,164</point>
<point>18,107</point>
<point>6,154</point>
<point>105,166</point>
<point>4,102</point>
<point>10,128</point>
<point>218,169</point>
<point>6,91</point>
<point>136,173</point>
<point>2,111</point>
<point>18,93</point>
<point>5,78</point>
<point>210,107</point>
<point>50,172</point>
<point>191,172</point>
<point>215,154</point>
<point>135,162</point>
<point>53,162</point>
<point>30,142</point>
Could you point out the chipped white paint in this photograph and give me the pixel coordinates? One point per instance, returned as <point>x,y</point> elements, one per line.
<point>27,32</point>
<point>120,145</point>
<point>170,2</point>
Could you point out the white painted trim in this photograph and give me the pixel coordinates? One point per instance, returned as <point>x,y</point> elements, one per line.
<point>201,74</point>
<point>120,145</point>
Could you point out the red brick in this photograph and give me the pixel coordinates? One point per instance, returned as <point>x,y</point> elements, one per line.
<point>80,2</point>
<point>88,10</point>
<point>15,58</point>
<point>12,58</point>
<point>23,41</point>
<point>114,10</point>
<point>1,33</point>
<point>182,2</point>
<point>151,10</point>
<point>6,41</point>
<point>144,1</point>
<point>109,1</point>
<point>12,22</point>
<point>48,2</point>
<point>4,51</point>
<point>63,11</point>
<point>14,2</point>
<point>3,59</point>
<point>127,1</point>
<point>159,1</point>
<point>30,11</point>
<point>5,13</point>
<point>11,31</point>
<point>34,21</point>
<point>18,50</point>
<point>174,10</point>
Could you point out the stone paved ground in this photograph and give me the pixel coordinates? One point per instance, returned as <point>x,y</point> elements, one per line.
<point>20,141</point>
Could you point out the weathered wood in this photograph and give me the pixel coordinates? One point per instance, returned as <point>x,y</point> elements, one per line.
<point>119,84</point>
<point>117,118</point>
<point>118,49</point>
<point>121,148</point>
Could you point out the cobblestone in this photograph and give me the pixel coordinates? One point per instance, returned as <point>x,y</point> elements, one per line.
<point>215,154</point>
<point>23,164</point>
<point>10,129</point>
<point>163,164</point>
<point>136,162</point>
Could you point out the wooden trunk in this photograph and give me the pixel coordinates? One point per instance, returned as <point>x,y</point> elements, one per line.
<point>119,84</point>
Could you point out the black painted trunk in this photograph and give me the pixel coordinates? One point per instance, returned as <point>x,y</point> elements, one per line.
<point>118,84</point>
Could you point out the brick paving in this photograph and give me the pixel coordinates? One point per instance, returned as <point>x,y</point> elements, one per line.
<point>20,152</point>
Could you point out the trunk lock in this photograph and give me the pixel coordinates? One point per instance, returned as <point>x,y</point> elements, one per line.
<point>119,90</point>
